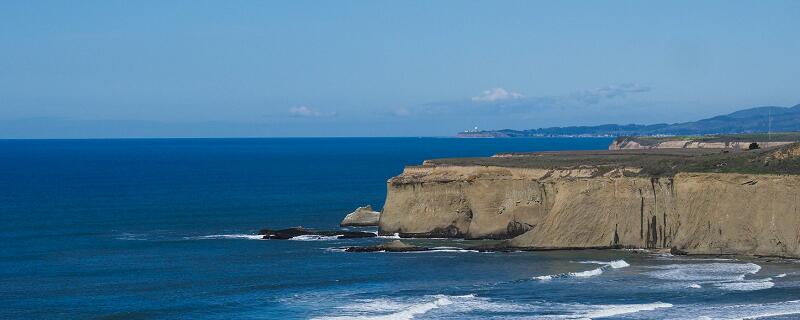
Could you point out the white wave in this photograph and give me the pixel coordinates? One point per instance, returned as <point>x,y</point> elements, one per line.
<point>380,309</point>
<point>227,236</point>
<point>581,274</point>
<point>737,312</point>
<point>605,311</point>
<point>746,285</point>
<point>394,236</point>
<point>704,271</point>
<point>132,237</point>
<point>725,276</point>
<point>616,264</point>
<point>694,286</point>
<point>780,275</point>
<point>313,237</point>
<point>450,249</point>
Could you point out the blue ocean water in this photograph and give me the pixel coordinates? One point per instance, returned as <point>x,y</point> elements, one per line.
<point>164,229</point>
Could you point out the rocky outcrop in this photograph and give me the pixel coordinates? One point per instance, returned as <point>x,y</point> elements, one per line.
<point>694,213</point>
<point>394,246</point>
<point>285,234</point>
<point>361,217</point>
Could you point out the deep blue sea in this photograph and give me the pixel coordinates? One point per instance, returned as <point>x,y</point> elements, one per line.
<point>164,229</point>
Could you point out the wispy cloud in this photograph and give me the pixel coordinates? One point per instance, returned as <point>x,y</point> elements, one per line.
<point>308,112</point>
<point>499,101</point>
<point>401,112</point>
<point>497,94</point>
<point>609,92</point>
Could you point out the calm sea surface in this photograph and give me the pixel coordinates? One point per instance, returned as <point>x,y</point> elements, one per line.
<point>164,229</point>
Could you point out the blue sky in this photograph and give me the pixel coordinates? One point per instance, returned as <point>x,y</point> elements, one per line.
<point>380,68</point>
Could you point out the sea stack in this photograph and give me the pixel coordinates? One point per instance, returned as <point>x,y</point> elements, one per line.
<point>361,217</point>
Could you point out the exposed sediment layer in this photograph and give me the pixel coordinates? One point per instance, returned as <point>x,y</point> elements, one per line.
<point>584,207</point>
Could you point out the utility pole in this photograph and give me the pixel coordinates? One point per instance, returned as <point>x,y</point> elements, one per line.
<point>769,128</point>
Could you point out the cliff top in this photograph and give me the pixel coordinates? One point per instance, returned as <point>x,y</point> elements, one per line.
<point>654,162</point>
<point>744,137</point>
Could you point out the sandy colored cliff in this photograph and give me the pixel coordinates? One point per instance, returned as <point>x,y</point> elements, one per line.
<point>597,206</point>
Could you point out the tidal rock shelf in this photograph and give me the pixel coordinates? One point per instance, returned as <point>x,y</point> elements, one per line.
<point>286,234</point>
<point>394,246</point>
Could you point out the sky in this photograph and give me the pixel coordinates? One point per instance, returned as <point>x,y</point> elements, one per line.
<point>122,69</point>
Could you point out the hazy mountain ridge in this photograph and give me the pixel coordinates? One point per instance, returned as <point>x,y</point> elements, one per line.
<point>750,120</point>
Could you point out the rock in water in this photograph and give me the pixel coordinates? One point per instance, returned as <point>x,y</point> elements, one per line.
<point>362,217</point>
<point>285,234</point>
<point>394,246</point>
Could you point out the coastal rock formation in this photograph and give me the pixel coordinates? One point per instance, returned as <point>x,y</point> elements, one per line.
<point>394,246</point>
<point>285,234</point>
<point>594,207</point>
<point>361,217</point>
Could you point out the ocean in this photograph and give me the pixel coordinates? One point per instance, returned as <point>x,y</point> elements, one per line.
<point>165,229</point>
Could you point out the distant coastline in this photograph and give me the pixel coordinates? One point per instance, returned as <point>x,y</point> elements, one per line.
<point>752,120</point>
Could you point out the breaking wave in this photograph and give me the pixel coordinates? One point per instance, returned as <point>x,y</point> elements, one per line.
<point>616,264</point>
<point>312,237</point>
<point>453,307</point>
<point>725,276</point>
<point>739,311</point>
<point>378,309</point>
<point>227,236</point>
<point>605,311</point>
<point>394,236</point>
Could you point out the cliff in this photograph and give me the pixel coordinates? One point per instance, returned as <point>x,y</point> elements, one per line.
<point>698,208</point>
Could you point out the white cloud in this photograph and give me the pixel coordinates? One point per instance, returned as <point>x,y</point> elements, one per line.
<point>499,102</point>
<point>610,92</point>
<point>308,112</point>
<point>401,112</point>
<point>496,94</point>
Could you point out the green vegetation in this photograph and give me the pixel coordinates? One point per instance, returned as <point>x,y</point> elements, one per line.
<point>743,137</point>
<point>653,162</point>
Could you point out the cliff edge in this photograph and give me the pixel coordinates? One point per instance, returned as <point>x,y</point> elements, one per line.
<point>696,201</point>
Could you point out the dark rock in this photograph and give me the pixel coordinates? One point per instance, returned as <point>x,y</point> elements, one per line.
<point>284,234</point>
<point>677,252</point>
<point>494,247</point>
<point>394,246</point>
<point>449,232</point>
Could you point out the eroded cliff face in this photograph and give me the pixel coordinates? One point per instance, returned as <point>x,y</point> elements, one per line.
<point>698,213</point>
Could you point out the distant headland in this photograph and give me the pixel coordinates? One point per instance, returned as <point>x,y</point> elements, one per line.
<point>752,120</point>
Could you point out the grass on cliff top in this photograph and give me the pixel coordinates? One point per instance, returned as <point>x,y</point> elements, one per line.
<point>742,137</point>
<point>655,162</point>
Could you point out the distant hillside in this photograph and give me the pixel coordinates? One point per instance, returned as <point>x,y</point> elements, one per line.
<point>751,120</point>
